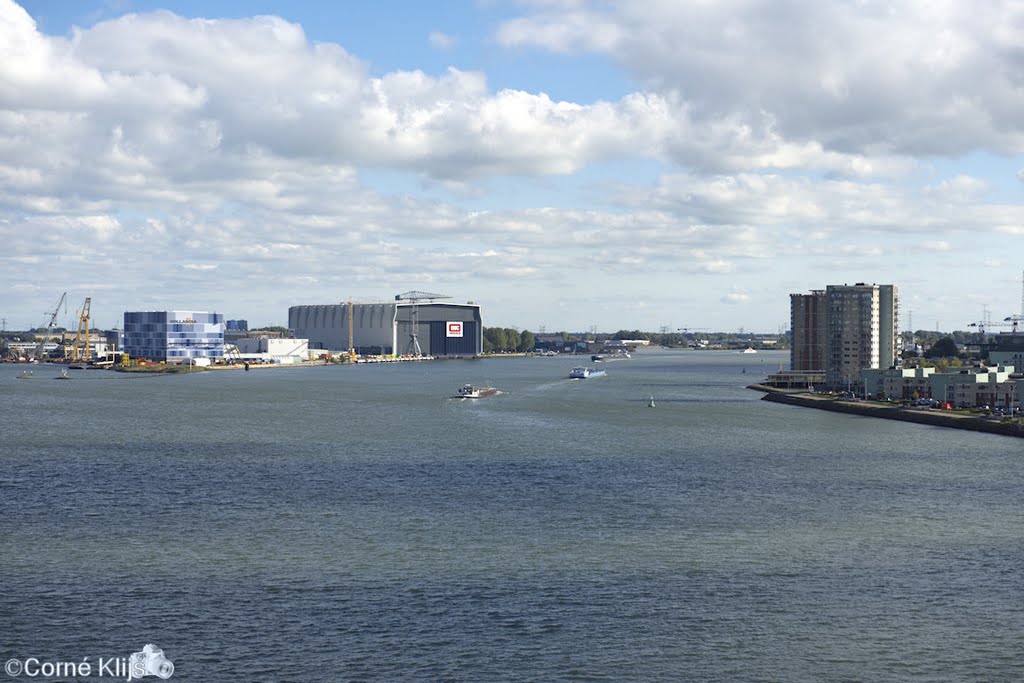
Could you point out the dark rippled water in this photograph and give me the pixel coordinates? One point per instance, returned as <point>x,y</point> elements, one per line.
<point>351,524</point>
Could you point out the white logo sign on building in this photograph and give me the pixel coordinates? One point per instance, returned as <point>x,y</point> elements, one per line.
<point>454,329</point>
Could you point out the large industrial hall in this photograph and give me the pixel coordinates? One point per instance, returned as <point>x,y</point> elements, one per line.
<point>413,324</point>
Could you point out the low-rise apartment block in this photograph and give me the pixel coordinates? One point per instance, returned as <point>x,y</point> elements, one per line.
<point>898,383</point>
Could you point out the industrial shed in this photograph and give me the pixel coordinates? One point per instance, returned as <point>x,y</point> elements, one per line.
<point>386,328</point>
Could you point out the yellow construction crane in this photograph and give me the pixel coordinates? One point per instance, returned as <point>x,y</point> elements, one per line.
<point>82,352</point>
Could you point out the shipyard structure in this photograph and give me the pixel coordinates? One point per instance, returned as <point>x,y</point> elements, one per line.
<point>407,326</point>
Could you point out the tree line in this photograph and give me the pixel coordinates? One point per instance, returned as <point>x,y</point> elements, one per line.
<point>507,340</point>
<point>511,340</point>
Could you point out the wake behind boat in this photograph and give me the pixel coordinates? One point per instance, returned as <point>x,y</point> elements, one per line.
<point>470,391</point>
<point>585,373</point>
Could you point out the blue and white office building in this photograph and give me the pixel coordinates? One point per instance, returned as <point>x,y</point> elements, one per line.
<point>174,336</point>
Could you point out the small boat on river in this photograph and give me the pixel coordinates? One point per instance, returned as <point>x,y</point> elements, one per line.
<point>470,391</point>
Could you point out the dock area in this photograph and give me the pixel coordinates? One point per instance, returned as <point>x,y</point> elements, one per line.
<point>954,419</point>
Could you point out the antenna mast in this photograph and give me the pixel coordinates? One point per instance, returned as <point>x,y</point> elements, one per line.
<point>351,348</point>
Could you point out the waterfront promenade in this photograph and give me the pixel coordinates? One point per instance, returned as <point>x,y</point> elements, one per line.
<point>972,421</point>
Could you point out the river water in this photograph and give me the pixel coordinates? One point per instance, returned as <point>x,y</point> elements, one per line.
<point>355,524</point>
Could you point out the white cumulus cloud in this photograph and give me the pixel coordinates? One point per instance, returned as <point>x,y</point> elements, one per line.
<point>912,76</point>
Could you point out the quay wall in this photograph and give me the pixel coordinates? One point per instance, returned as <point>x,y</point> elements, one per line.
<point>937,418</point>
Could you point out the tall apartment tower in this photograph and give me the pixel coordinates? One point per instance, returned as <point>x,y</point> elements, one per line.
<point>845,329</point>
<point>861,331</point>
<point>807,321</point>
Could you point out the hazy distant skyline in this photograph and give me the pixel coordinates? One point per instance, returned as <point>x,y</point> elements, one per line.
<point>564,163</point>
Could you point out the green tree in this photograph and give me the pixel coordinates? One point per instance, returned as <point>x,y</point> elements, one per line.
<point>511,339</point>
<point>507,339</point>
<point>496,339</point>
<point>943,348</point>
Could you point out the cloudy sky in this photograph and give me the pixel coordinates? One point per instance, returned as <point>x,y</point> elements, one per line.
<point>565,163</point>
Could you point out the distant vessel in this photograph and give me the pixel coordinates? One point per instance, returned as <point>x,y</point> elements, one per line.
<point>650,404</point>
<point>470,391</point>
<point>27,374</point>
<point>748,350</point>
<point>63,374</point>
<point>585,373</point>
<point>611,355</point>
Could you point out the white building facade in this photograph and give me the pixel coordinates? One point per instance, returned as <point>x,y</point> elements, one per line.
<point>861,331</point>
<point>273,350</point>
<point>898,383</point>
<point>969,387</point>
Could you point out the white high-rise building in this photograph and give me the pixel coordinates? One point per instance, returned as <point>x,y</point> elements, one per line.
<point>844,329</point>
<point>861,331</point>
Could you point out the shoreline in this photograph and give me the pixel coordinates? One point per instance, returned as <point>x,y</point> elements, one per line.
<point>893,411</point>
<point>174,369</point>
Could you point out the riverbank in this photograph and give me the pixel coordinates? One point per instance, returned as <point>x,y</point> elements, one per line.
<point>156,369</point>
<point>893,411</point>
<point>172,368</point>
